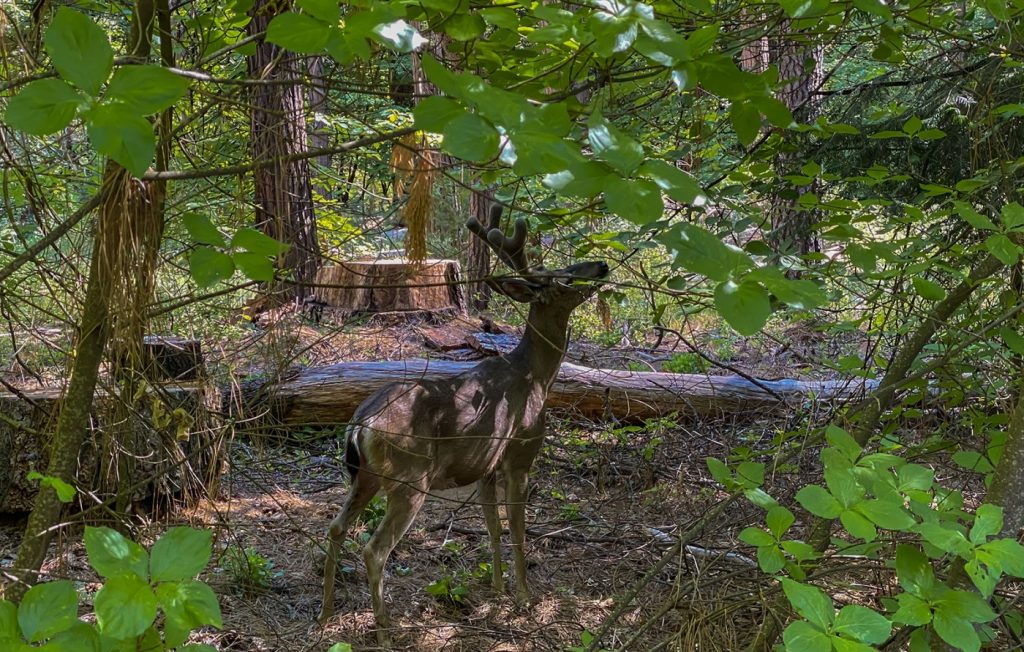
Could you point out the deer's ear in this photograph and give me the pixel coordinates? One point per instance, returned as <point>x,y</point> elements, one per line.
<point>518,289</point>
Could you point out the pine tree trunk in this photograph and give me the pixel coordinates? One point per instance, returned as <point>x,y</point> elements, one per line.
<point>284,198</point>
<point>478,254</point>
<point>317,95</point>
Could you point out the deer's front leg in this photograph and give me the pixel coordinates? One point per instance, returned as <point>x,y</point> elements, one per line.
<point>489,503</point>
<point>404,502</point>
<point>515,489</point>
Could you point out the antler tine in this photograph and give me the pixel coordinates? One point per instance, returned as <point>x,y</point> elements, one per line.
<point>494,220</point>
<point>511,249</point>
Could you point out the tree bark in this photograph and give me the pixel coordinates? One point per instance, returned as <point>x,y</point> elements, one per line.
<point>478,254</point>
<point>317,97</point>
<point>284,197</point>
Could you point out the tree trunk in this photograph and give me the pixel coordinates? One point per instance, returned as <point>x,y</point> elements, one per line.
<point>478,254</point>
<point>317,95</point>
<point>330,394</point>
<point>284,198</point>
<point>801,70</point>
<point>129,215</point>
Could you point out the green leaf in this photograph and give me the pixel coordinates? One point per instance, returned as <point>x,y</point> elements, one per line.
<point>843,442</point>
<point>501,17</point>
<point>973,217</point>
<point>471,138</point>
<point>928,290</point>
<point>43,107</point>
<point>65,492</point>
<point>677,184</point>
<point>803,637</point>
<point>857,525</point>
<point>146,89</point>
<point>257,242</point>
<point>122,135</point>
<point>973,461</point>
<point>325,10</point>
<point>254,266</point>
<point>912,610</point>
<point>915,476</point>
<point>779,519</point>
<point>913,125</point>
<point>1013,215</point>
<point>202,230</point>
<point>745,306</point>
<point>819,502</point>
<point>80,637</point>
<point>464,26</point>
<point>79,50</point>
<point>943,538</point>
<point>719,471</point>
<point>1002,248</point>
<point>810,602</point>
<point>398,35</point>
<point>209,266</point>
<point>47,609</point>
<point>988,522</point>
<point>699,251</point>
<point>439,76</point>
<point>435,112</point>
<point>298,33</point>
<point>746,120</point>
<point>956,631</point>
<point>1012,339</point>
<point>9,621</point>
<point>586,179</point>
<point>188,606</point>
<point>347,647</point>
<point>180,554</point>
<point>800,550</point>
<point>757,537</point>
<point>612,146</point>
<point>798,293</point>
<point>886,514</point>
<point>125,607</point>
<point>636,200</point>
<point>876,7</point>
<point>770,559</point>
<point>862,624</point>
<point>113,555</point>
<point>913,569</point>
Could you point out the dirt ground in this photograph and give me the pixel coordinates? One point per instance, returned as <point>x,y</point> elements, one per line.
<point>607,501</point>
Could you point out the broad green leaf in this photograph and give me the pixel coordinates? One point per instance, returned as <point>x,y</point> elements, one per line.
<point>1009,554</point>
<point>876,7</point>
<point>399,36</point>
<point>770,559</point>
<point>843,441</point>
<point>803,637</point>
<point>325,10</point>
<point>973,217</point>
<point>886,514</point>
<point>676,183</point>
<point>347,647</point>
<point>699,251</point>
<point>928,289</point>
<point>1002,248</point>
<point>202,230</point>
<point>915,476</point>
<point>464,26</point>
<point>857,525</point>
<point>800,550</point>
<point>125,607</point>
<point>988,522</point>
<point>757,537</point>
<point>849,645</point>
<point>256,267</point>
<point>944,538</point>
<point>914,571</point>
<point>79,50</point>
<point>8,620</point>
<point>819,502</point>
<point>746,306</point>
<point>257,242</point>
<point>862,624</point>
<point>146,89</point>
<point>471,138</point>
<point>956,631</point>
<point>122,135</point>
<point>973,461</point>
<point>912,610</point>
<point>298,33</point>
<point>208,266</point>
<point>719,471</point>
<point>111,554</point>
<point>779,519</point>
<point>65,492</point>
<point>913,125</point>
<point>439,76</point>
<point>636,200</point>
<point>500,17</point>
<point>180,554</point>
<point>47,609</point>
<point>80,637</point>
<point>188,605</point>
<point>612,146</point>
<point>612,34</point>
<point>586,179</point>
<point>798,293</point>
<point>746,120</point>
<point>435,112</point>
<point>43,107</point>
<point>810,602</point>
<point>1013,215</point>
<point>1012,339</point>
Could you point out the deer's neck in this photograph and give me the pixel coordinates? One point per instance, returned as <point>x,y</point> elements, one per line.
<point>543,345</point>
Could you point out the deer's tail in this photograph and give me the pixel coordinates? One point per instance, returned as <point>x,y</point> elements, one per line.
<point>353,458</point>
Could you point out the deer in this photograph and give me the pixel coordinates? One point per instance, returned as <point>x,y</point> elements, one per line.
<point>413,437</point>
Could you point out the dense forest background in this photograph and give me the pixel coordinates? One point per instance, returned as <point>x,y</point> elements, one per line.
<point>796,191</point>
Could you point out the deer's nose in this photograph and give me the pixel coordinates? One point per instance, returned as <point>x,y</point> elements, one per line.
<point>602,268</point>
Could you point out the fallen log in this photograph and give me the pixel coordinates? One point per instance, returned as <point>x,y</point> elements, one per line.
<point>329,395</point>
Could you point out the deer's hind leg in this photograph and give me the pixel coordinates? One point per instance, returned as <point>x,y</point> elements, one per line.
<point>404,502</point>
<point>365,486</point>
<point>489,502</point>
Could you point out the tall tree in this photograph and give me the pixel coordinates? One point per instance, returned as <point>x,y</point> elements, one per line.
<point>284,198</point>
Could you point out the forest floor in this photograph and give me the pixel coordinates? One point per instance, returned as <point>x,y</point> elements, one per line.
<point>607,500</point>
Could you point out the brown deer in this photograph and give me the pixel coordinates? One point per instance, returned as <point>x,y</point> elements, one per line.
<point>411,438</point>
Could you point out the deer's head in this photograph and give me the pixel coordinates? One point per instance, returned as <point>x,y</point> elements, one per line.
<point>567,287</point>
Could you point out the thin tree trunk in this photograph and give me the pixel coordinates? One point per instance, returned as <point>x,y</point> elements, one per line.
<point>284,198</point>
<point>478,254</point>
<point>317,97</point>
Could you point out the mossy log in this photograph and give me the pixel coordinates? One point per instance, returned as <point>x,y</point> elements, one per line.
<point>176,446</point>
<point>377,286</point>
<point>330,394</point>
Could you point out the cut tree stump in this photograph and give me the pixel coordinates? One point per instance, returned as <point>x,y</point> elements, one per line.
<point>329,395</point>
<point>395,285</point>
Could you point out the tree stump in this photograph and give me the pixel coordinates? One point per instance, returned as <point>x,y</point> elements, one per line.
<point>396,285</point>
